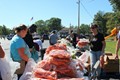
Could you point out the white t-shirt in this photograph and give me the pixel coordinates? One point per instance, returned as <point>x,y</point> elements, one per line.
<point>39,42</point>
<point>118,35</point>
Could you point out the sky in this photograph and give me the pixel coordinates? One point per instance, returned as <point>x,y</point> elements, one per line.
<point>15,12</point>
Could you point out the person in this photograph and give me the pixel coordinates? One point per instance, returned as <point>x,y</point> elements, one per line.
<point>53,38</point>
<point>32,46</point>
<point>72,38</point>
<point>118,43</point>
<point>29,40</point>
<point>2,55</point>
<point>19,50</point>
<point>97,46</point>
<point>36,39</point>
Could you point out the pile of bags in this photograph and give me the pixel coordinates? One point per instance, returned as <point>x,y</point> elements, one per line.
<point>56,65</point>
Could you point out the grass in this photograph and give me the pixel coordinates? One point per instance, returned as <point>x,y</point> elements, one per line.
<point>110,46</point>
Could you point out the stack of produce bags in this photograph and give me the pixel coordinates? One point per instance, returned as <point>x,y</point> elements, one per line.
<point>58,65</point>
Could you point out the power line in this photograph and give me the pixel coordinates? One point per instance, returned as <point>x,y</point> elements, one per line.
<point>86,10</point>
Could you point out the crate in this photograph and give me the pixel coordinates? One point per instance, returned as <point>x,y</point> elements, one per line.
<point>111,64</point>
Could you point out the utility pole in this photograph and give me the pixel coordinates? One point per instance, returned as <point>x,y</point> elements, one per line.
<point>78,30</point>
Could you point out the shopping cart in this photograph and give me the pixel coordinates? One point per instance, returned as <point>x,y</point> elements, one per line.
<point>93,74</point>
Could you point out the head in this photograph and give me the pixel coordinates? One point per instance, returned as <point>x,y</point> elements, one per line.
<point>54,32</point>
<point>21,30</point>
<point>33,28</point>
<point>94,28</point>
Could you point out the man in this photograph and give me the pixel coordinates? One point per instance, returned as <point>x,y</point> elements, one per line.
<point>53,38</point>
<point>118,43</point>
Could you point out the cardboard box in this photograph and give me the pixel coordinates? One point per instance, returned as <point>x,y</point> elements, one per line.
<point>111,64</point>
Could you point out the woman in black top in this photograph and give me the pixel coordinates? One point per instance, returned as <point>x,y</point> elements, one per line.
<point>97,46</point>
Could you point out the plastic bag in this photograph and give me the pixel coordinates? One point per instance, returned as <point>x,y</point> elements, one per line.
<point>5,69</point>
<point>14,66</point>
<point>27,75</point>
<point>84,56</point>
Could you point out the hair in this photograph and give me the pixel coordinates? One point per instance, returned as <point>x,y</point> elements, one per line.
<point>54,32</point>
<point>71,31</point>
<point>94,25</point>
<point>20,28</point>
<point>33,28</point>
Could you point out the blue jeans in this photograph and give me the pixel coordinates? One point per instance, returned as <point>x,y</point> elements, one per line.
<point>94,57</point>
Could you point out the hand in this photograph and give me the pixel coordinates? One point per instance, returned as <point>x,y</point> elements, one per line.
<point>102,61</point>
<point>116,56</point>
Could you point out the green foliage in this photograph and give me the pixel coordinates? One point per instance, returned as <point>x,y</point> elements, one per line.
<point>115,4</point>
<point>101,21</point>
<point>48,25</point>
<point>4,30</point>
<point>54,24</point>
<point>107,21</point>
<point>40,23</point>
<point>85,29</point>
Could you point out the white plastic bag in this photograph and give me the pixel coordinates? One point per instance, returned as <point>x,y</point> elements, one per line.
<point>5,69</point>
<point>84,57</point>
<point>27,75</point>
<point>14,66</point>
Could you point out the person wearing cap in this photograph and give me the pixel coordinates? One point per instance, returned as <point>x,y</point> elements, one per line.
<point>97,46</point>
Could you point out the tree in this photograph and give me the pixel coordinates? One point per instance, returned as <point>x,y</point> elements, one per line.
<point>0,30</point>
<point>5,31</point>
<point>40,23</point>
<point>84,29</point>
<point>54,24</point>
<point>100,21</point>
<point>115,4</point>
<point>112,20</point>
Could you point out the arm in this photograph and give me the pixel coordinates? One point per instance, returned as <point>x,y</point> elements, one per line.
<point>117,48</point>
<point>22,54</point>
<point>2,53</point>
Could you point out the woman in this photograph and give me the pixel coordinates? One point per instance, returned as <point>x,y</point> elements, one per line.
<point>97,46</point>
<point>19,49</point>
